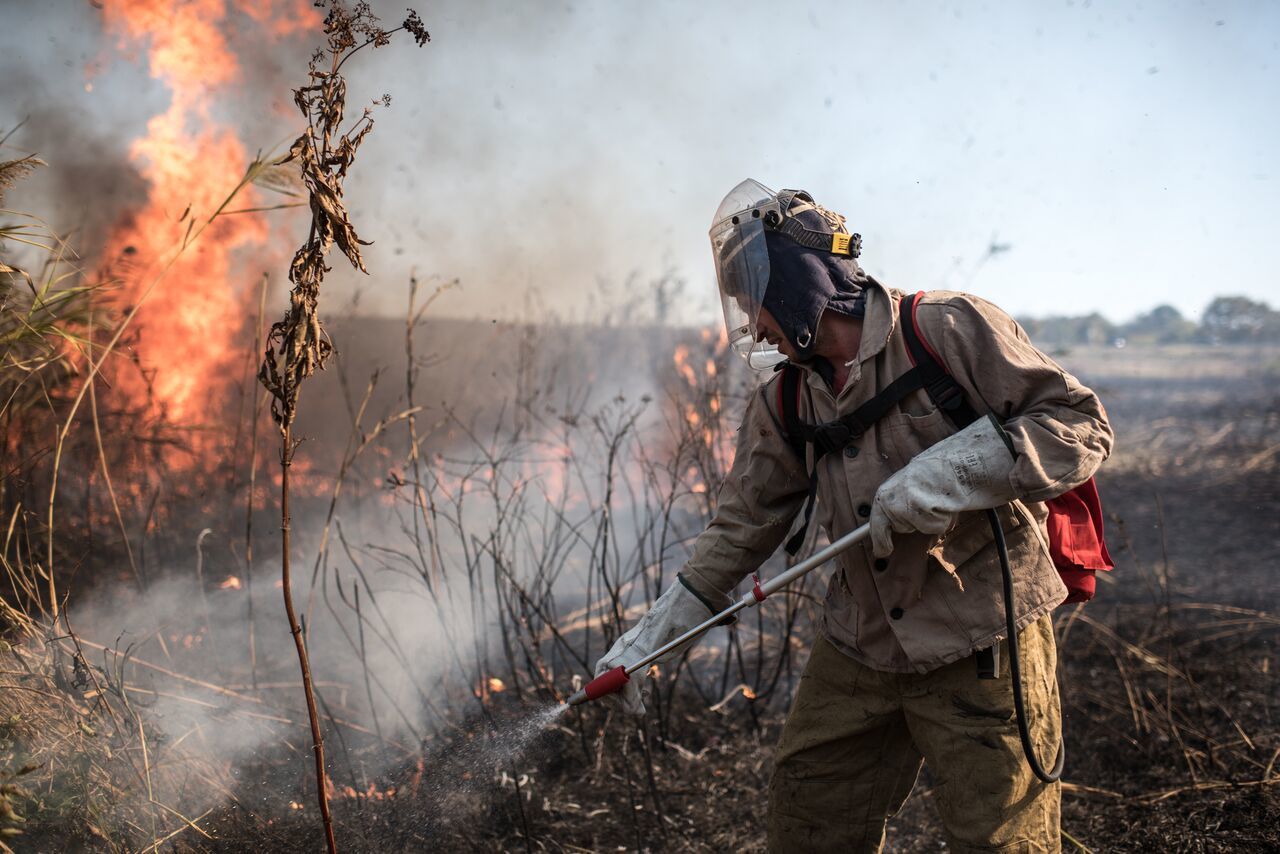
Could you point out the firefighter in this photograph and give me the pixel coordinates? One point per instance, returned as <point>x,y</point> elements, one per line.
<point>912,619</point>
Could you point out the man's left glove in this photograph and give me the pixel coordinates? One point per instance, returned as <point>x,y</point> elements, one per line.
<point>676,611</point>
<point>966,471</point>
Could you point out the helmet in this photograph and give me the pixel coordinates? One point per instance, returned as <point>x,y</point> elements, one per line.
<point>749,213</point>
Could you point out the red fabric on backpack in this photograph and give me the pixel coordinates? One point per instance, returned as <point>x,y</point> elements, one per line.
<point>1076,543</point>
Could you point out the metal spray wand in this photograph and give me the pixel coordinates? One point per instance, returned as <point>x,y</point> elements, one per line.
<point>613,680</point>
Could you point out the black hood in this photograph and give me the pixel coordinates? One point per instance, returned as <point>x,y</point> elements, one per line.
<point>804,282</point>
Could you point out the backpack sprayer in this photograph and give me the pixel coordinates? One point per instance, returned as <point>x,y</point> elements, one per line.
<point>613,680</point>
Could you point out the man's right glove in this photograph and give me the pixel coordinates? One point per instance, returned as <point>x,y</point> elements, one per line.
<point>965,471</point>
<point>676,611</point>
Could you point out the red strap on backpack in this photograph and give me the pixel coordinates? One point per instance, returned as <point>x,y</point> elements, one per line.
<point>1074,525</point>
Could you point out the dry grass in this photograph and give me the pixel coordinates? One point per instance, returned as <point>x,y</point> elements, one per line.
<point>82,767</point>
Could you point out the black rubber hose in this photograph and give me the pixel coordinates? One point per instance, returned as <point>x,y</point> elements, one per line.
<point>1015,664</point>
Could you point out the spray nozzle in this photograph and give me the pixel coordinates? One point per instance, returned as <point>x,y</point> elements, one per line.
<point>606,683</point>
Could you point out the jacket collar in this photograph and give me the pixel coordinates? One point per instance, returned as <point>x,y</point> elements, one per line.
<point>879,322</point>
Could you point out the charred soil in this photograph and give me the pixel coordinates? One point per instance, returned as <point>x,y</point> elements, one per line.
<point>1168,678</point>
<point>1168,682</point>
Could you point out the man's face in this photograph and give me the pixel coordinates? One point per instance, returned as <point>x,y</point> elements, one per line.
<point>767,329</point>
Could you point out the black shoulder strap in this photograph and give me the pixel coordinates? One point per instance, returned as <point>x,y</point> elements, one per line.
<point>941,387</point>
<point>928,372</point>
<point>798,436</point>
<point>833,436</point>
<point>789,403</point>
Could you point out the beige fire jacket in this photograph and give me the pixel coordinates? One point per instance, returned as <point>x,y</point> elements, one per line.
<point>935,599</point>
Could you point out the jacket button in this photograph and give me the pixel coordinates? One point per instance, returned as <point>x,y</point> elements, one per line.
<point>881,564</point>
<point>864,510</point>
<point>896,613</point>
<point>850,451</point>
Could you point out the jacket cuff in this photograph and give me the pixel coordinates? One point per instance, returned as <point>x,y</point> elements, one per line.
<point>1004,437</point>
<point>715,602</point>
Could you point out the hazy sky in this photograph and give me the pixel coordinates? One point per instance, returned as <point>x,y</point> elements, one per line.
<point>1126,151</point>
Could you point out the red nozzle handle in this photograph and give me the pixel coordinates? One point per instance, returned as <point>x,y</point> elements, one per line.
<point>607,683</point>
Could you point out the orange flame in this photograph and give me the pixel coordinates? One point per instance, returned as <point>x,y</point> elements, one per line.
<point>231,583</point>
<point>372,793</point>
<point>496,685</point>
<point>702,415</point>
<point>191,163</point>
<point>683,366</point>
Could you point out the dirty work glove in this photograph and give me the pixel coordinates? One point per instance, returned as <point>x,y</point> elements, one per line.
<point>676,611</point>
<point>966,471</point>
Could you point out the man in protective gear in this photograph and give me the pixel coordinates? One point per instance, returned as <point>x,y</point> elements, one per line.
<point>911,617</point>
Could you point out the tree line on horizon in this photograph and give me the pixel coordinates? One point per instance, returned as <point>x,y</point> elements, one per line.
<point>1226,320</point>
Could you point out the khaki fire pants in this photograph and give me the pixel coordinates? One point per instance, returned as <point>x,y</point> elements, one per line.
<point>855,739</point>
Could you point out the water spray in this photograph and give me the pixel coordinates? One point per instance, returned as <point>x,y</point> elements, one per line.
<point>613,680</point>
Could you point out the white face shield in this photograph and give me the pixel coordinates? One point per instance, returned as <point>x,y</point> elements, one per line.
<point>742,266</point>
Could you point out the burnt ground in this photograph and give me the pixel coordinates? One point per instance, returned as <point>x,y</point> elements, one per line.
<point>1168,677</point>
<point>1168,680</point>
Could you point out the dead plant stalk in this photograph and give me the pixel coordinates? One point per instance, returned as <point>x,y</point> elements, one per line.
<point>297,346</point>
